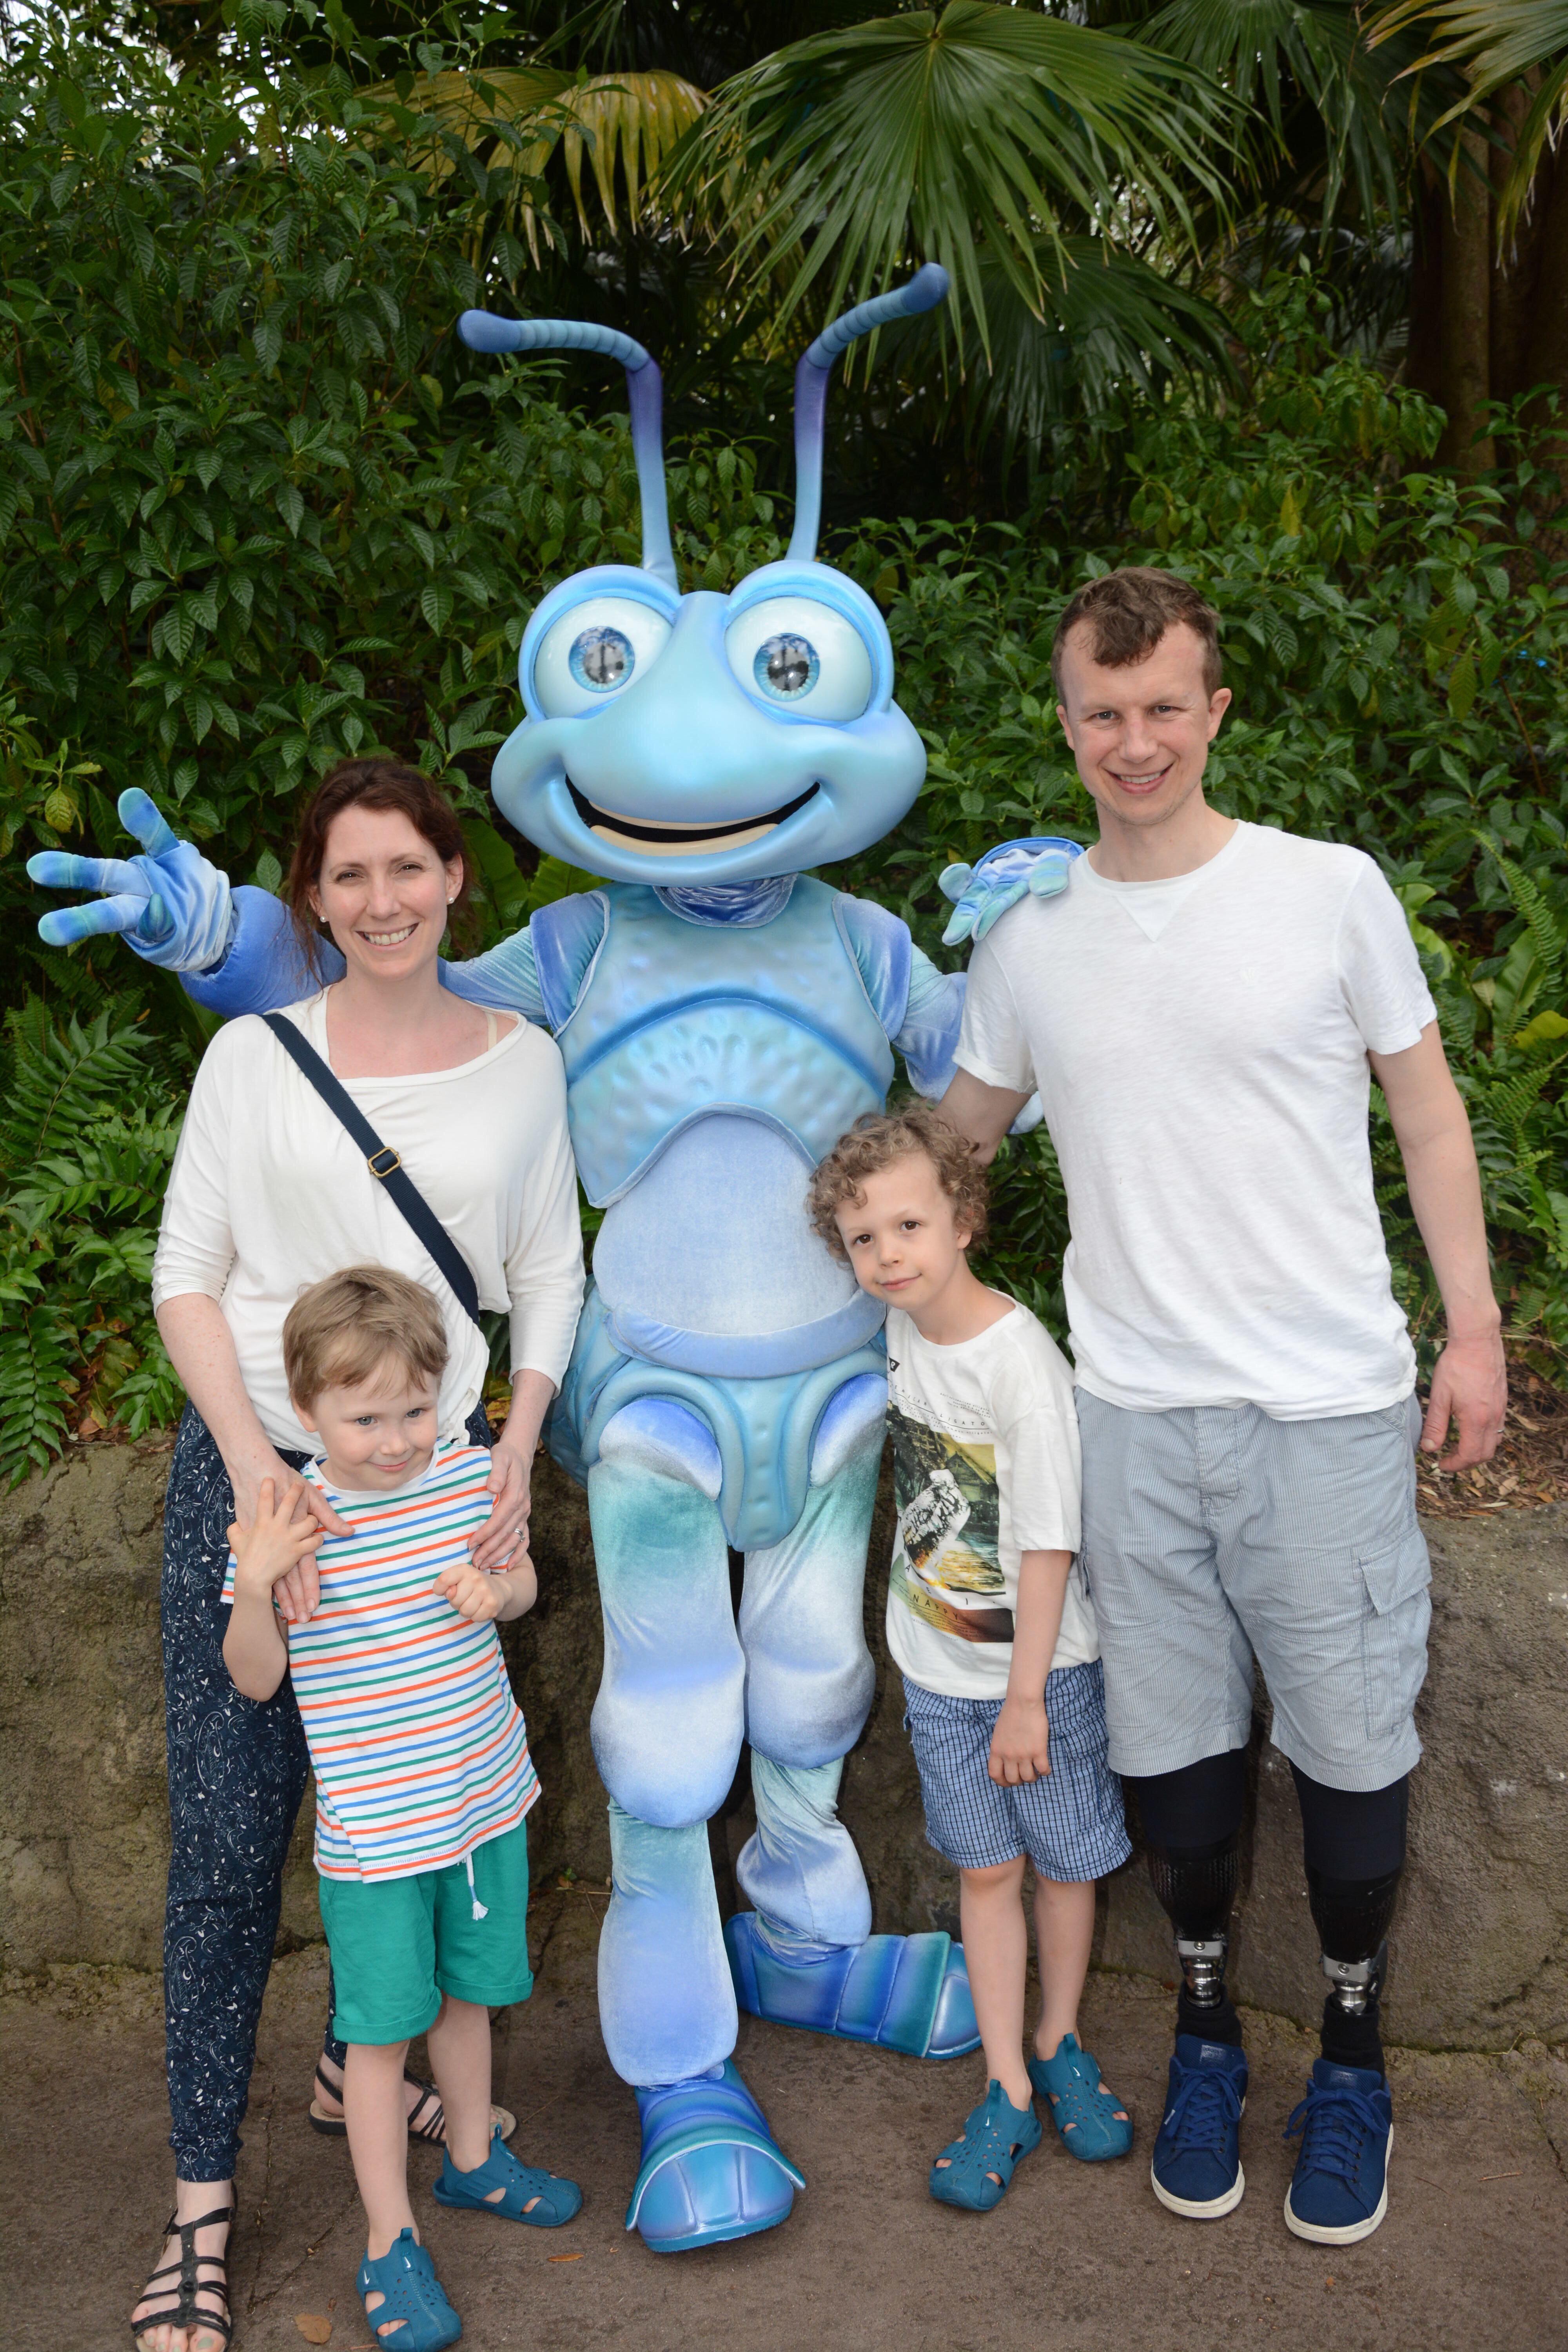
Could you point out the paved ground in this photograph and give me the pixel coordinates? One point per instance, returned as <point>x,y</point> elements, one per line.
<point>1475,2251</point>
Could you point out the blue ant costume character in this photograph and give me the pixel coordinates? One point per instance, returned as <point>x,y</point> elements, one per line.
<point>723,1018</point>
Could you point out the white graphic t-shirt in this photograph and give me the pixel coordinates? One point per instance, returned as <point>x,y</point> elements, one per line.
<point>985,1467</point>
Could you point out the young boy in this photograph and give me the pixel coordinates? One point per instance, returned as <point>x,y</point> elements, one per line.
<point>423,1774</point>
<point>988,1619</point>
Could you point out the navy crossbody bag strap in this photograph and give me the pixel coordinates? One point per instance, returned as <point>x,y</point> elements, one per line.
<point>384,1164</point>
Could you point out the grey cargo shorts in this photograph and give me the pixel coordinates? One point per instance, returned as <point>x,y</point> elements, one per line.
<point>1214,1536</point>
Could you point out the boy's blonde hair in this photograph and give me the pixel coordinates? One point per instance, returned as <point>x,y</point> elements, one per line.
<point>343,1330</point>
<point>873,1143</point>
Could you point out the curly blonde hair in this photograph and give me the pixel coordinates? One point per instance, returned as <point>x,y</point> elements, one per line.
<point>874,1143</point>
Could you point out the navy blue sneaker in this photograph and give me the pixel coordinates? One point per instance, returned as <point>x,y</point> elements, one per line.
<point>1197,2167</point>
<point>1339,2189</point>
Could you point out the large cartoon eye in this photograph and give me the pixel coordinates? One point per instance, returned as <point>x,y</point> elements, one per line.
<point>593,651</point>
<point>801,655</point>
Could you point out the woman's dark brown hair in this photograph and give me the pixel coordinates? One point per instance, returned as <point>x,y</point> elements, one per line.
<point>372,783</point>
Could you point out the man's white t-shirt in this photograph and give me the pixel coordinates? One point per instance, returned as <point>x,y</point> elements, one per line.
<point>985,1468</point>
<point>1200,1048</point>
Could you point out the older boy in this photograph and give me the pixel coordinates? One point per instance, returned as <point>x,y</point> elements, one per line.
<point>1202,1011</point>
<point>987,1618</point>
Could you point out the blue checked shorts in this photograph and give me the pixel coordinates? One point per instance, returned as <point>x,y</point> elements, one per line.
<point>1068,1824</point>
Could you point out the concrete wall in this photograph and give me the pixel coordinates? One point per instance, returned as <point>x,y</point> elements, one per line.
<point>1480,1941</point>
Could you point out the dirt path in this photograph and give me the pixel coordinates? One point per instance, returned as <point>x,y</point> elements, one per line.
<point>1475,2250</point>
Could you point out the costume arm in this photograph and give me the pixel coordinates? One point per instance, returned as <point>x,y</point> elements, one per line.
<point>934,1014</point>
<point>264,968</point>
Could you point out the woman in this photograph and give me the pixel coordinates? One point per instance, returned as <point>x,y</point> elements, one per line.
<point>267,1193</point>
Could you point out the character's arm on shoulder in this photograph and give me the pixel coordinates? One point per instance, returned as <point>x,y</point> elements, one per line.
<point>505,978</point>
<point>539,972</point>
<point>983,893</point>
<point>919,1008</point>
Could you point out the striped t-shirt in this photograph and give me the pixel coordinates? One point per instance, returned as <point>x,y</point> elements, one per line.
<point>419,1752</point>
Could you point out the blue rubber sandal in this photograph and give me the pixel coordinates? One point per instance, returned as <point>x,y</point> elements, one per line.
<point>406,2276</point>
<point>1084,2114</point>
<point>542,2199</point>
<point>997,2135</point>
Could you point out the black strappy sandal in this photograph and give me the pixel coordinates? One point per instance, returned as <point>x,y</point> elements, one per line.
<point>187,2313</point>
<point>427,2117</point>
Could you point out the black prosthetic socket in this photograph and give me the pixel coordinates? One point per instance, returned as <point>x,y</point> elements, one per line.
<point>1353,1844</point>
<point>1352,1917</point>
<point>1192,1825</point>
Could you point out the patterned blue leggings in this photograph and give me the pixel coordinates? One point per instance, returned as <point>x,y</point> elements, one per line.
<point>237,1768</point>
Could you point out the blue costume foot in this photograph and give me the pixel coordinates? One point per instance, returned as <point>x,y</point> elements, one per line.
<point>710,2167</point>
<point>902,1992</point>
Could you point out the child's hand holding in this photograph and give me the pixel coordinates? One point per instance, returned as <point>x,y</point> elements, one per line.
<point>478,1594</point>
<point>1020,1744</point>
<point>268,1546</point>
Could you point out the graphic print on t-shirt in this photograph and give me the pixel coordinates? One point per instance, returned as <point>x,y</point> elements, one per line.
<point>946,1567</point>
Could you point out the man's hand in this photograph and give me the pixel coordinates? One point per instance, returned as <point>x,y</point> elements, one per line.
<point>511,1483</point>
<point>169,904</point>
<point>267,1546</point>
<point>1020,1744</point>
<point>1469,1388</point>
<point>1470,1383</point>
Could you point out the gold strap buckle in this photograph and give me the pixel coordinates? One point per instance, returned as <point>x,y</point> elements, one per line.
<point>393,1160</point>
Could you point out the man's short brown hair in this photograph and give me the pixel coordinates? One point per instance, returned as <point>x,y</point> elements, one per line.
<point>1130,611</point>
<point>874,1143</point>
<point>347,1329</point>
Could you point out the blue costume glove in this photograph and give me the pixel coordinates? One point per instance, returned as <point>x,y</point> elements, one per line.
<point>984,892</point>
<point>170,904</point>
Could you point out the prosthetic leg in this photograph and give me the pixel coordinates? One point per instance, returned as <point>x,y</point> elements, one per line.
<point>1191,1829</point>
<point>1354,1841</point>
<point>1192,1826</point>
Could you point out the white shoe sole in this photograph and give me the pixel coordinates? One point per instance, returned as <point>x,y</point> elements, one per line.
<point>1192,2209</point>
<point>1353,2232</point>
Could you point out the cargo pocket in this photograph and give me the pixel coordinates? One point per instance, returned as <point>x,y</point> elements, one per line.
<point>1394,1631</point>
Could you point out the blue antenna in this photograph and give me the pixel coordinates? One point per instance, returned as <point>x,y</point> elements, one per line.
<point>924,291</point>
<point>483,331</point>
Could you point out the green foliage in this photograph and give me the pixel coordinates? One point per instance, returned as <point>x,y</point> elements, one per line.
<point>257,510</point>
<point>1398,648</point>
<point>81,1182</point>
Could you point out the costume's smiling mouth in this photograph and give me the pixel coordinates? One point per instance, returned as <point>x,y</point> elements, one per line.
<point>682,840</point>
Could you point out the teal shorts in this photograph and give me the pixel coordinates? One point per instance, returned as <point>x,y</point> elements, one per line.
<point>398,1944</point>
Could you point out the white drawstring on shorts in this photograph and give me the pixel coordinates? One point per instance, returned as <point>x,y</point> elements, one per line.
<point>480,1911</point>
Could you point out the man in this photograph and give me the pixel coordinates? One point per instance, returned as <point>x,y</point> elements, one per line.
<point>1202,1010</point>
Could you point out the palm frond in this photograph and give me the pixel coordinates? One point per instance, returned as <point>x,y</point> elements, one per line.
<point>517,117</point>
<point>1110,320</point>
<point>1496,43</point>
<point>981,133</point>
<point>1280,55</point>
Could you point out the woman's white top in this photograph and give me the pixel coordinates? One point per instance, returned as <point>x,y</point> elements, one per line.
<point>269,1193</point>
